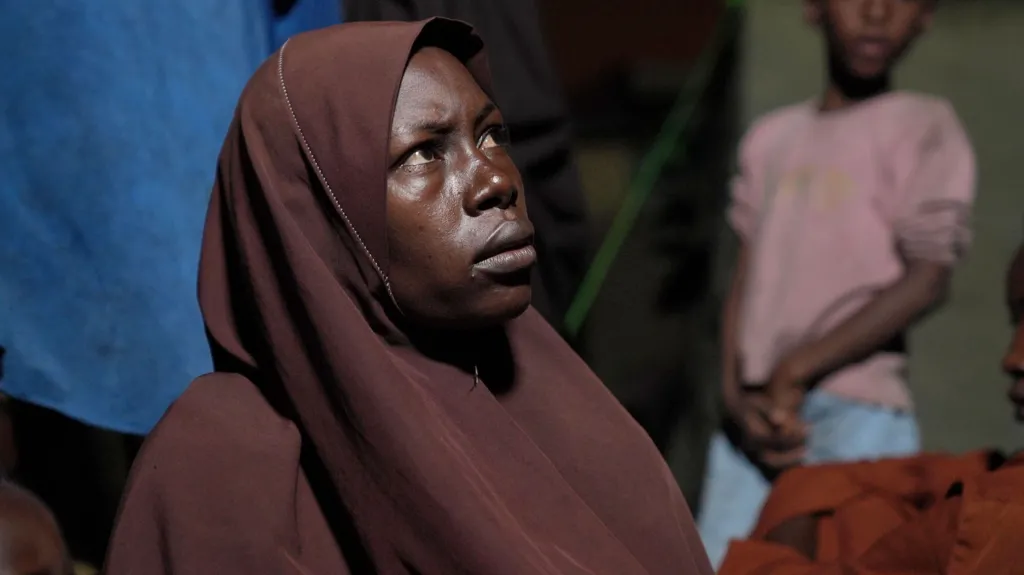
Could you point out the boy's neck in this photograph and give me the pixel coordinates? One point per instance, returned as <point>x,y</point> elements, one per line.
<point>836,98</point>
<point>844,89</point>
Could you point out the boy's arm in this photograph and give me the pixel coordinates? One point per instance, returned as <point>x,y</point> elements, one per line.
<point>743,214</point>
<point>748,414</point>
<point>923,287</point>
<point>731,383</point>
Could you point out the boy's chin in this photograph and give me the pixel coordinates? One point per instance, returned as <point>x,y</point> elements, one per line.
<point>868,72</point>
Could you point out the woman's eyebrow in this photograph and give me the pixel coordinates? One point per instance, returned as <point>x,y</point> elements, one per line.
<point>484,112</point>
<point>445,126</point>
<point>436,127</point>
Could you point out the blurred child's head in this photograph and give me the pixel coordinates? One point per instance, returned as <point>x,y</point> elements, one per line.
<point>8,449</point>
<point>868,37</point>
<point>30,539</point>
<point>1013,360</point>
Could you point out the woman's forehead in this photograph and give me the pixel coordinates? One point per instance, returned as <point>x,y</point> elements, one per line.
<point>436,86</point>
<point>435,70</point>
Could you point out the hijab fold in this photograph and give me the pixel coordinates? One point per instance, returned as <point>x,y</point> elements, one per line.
<point>434,475</point>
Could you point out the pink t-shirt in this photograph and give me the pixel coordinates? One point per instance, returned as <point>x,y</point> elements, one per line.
<point>831,205</point>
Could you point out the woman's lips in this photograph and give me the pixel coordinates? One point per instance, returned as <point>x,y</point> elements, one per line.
<point>508,249</point>
<point>510,261</point>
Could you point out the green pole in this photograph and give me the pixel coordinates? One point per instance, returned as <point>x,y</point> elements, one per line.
<point>678,120</point>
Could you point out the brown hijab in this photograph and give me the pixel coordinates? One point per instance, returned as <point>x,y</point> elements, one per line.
<point>325,435</point>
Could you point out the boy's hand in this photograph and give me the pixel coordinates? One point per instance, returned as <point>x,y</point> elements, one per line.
<point>773,446</point>
<point>786,389</point>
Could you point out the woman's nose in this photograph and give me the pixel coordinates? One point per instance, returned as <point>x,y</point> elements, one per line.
<point>493,189</point>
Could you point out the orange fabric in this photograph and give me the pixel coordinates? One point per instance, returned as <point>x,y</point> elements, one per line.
<point>894,517</point>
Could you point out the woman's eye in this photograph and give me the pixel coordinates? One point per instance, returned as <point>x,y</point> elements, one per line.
<point>420,157</point>
<point>495,138</point>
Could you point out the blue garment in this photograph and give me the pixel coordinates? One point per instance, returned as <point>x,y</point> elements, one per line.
<point>112,117</point>
<point>840,430</point>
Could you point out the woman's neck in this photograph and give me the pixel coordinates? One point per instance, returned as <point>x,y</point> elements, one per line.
<point>462,348</point>
<point>484,354</point>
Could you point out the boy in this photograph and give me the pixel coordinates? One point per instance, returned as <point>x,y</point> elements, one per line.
<point>851,212</point>
<point>926,514</point>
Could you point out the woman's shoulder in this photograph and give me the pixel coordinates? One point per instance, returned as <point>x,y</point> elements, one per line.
<point>221,427</point>
<point>215,484</point>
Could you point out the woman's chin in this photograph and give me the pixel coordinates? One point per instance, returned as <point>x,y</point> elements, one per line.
<point>504,305</point>
<point>490,309</point>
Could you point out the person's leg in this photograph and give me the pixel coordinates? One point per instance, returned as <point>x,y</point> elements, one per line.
<point>846,430</point>
<point>734,491</point>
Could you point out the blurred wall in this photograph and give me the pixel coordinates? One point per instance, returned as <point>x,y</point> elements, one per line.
<point>591,40</point>
<point>973,57</point>
<point>650,335</point>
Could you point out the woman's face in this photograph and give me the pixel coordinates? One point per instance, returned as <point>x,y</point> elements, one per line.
<point>460,242</point>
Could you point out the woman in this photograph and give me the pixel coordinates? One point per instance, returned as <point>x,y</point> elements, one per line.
<point>384,399</point>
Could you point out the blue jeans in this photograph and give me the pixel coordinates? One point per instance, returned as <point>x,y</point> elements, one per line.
<point>840,430</point>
